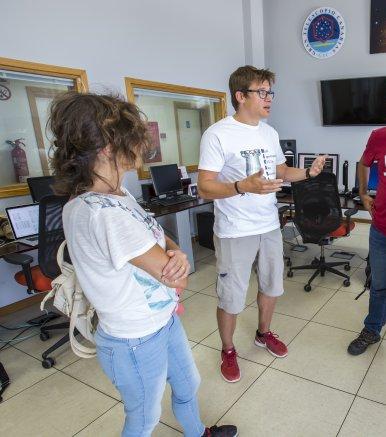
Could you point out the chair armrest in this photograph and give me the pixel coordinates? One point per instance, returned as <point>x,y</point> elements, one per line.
<point>19,259</point>
<point>350,212</point>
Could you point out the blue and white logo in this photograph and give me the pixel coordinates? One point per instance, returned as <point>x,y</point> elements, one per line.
<point>323,32</point>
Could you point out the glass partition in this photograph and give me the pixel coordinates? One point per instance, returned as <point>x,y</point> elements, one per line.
<point>177,117</point>
<point>26,91</point>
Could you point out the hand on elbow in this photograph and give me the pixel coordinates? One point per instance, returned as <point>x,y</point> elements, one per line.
<point>178,266</point>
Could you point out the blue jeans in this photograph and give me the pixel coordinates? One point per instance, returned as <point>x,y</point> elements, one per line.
<point>377,305</point>
<point>139,369</point>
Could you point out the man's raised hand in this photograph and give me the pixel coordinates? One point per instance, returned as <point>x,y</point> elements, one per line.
<point>317,166</point>
<point>257,184</point>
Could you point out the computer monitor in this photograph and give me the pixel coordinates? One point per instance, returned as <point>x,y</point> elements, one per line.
<point>24,220</point>
<point>305,160</point>
<point>373,178</point>
<point>40,186</point>
<point>166,179</point>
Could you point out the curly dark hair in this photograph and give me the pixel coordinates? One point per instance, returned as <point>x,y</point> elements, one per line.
<point>82,125</point>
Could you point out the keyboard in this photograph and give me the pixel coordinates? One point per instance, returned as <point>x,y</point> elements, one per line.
<point>183,198</point>
<point>32,239</point>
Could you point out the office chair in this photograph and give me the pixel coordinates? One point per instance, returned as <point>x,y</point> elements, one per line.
<point>40,186</point>
<point>318,218</point>
<point>38,278</point>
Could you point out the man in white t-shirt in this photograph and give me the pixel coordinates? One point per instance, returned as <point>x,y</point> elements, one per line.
<point>242,167</point>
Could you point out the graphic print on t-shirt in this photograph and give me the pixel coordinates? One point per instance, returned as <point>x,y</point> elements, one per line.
<point>96,200</point>
<point>256,159</point>
<point>155,291</point>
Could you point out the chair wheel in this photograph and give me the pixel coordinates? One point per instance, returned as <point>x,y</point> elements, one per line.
<point>48,363</point>
<point>347,267</point>
<point>315,262</point>
<point>307,287</point>
<point>346,283</point>
<point>44,336</point>
<point>289,263</point>
<point>290,273</point>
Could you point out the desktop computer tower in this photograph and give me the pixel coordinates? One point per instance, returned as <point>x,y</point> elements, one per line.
<point>205,222</point>
<point>147,192</point>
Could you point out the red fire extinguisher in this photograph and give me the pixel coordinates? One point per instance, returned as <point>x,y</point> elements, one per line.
<point>19,160</point>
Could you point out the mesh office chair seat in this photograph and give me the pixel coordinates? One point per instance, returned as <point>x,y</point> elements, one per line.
<point>318,218</point>
<point>38,278</point>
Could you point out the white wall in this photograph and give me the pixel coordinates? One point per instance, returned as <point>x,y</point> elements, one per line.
<point>189,43</point>
<point>197,43</point>
<point>297,109</point>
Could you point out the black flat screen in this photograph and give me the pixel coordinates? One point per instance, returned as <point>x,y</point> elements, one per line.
<point>166,178</point>
<point>354,101</point>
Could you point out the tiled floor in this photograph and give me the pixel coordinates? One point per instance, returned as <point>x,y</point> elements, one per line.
<point>318,390</point>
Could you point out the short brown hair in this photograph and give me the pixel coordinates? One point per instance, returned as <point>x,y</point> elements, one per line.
<point>242,78</point>
<point>82,125</point>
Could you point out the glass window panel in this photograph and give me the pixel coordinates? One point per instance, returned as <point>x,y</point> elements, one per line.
<point>177,122</point>
<point>24,103</point>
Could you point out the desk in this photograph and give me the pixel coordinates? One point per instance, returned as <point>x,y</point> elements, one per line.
<point>181,211</point>
<point>14,247</point>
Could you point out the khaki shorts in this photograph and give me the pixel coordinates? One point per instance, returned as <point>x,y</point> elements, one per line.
<point>235,258</point>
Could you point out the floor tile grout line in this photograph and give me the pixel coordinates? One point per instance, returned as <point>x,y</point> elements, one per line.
<point>169,426</point>
<point>368,368</point>
<point>333,326</point>
<point>90,386</point>
<point>198,291</point>
<point>27,388</point>
<point>371,400</point>
<point>96,418</point>
<point>311,380</point>
<point>199,342</point>
<point>242,394</point>
<point>189,297</point>
<point>346,415</point>
<point>239,356</point>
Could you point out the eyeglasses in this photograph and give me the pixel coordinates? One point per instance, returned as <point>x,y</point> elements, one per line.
<point>263,94</point>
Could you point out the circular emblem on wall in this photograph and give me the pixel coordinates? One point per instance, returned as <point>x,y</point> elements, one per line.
<point>323,32</point>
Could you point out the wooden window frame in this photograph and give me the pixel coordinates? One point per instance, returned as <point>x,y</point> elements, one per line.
<point>220,110</point>
<point>80,83</point>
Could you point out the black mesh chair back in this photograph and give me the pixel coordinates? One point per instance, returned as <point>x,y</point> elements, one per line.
<point>40,186</point>
<point>317,207</point>
<point>51,233</point>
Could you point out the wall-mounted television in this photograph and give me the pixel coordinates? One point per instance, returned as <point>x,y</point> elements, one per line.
<point>359,101</point>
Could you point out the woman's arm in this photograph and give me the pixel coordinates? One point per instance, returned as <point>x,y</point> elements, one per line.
<point>153,262</point>
<point>178,266</point>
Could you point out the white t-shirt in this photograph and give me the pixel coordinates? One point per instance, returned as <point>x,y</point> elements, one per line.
<point>104,232</point>
<point>231,148</point>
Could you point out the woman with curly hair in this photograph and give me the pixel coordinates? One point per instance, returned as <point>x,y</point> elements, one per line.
<point>129,270</point>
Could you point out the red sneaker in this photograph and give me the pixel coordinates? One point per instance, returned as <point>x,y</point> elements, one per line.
<point>271,342</point>
<point>229,368</point>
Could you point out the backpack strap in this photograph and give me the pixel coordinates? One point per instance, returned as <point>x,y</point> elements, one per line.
<point>59,260</point>
<point>78,348</point>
